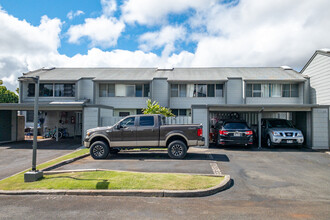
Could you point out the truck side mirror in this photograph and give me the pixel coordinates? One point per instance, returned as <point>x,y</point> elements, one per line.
<point>118,126</point>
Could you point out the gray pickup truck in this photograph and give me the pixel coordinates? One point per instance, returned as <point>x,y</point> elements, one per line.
<point>143,131</point>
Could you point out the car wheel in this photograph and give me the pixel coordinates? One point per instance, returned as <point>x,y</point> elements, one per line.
<point>177,150</point>
<point>269,142</point>
<point>99,150</point>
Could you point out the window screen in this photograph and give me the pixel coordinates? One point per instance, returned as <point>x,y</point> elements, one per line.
<point>138,90</point>
<point>31,89</point>
<point>174,90</point>
<point>147,121</point>
<point>182,90</point>
<point>294,90</point>
<point>146,90</point>
<point>210,90</point>
<point>103,90</point>
<point>219,90</point>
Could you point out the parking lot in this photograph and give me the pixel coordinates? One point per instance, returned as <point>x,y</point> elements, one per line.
<point>16,157</point>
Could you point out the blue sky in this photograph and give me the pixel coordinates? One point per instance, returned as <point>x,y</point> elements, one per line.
<point>157,33</point>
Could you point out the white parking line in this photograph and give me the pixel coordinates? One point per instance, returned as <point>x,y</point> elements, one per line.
<point>215,169</point>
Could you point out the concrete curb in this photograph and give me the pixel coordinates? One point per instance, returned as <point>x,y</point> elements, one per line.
<point>62,163</point>
<point>141,193</point>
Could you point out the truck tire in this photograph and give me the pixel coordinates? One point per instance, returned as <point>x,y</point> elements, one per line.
<point>177,150</point>
<point>99,150</point>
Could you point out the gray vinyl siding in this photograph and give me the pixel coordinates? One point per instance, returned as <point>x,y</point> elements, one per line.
<point>320,126</point>
<point>90,118</point>
<point>319,72</point>
<point>85,90</point>
<point>160,91</point>
<point>234,91</point>
<point>123,102</point>
<point>201,116</point>
<point>186,102</point>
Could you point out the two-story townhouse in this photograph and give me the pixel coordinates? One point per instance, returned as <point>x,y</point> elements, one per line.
<point>81,98</point>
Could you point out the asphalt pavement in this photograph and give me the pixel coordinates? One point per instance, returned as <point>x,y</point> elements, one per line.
<point>284,183</point>
<point>16,157</point>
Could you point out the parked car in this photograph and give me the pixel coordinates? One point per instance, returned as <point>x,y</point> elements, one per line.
<point>143,131</point>
<point>280,132</point>
<point>234,132</point>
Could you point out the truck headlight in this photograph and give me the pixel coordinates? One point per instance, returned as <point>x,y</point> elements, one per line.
<point>299,134</point>
<point>276,133</point>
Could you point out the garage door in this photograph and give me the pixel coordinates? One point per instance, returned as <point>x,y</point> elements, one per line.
<point>5,126</point>
<point>320,128</point>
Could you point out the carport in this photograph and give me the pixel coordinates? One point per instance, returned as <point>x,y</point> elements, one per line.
<point>9,117</point>
<point>312,120</point>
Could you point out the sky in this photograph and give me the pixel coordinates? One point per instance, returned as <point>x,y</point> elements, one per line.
<point>158,33</point>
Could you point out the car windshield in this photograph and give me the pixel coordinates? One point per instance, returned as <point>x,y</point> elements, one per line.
<point>235,125</point>
<point>280,124</point>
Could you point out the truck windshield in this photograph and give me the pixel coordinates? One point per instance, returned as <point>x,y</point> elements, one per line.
<point>280,124</point>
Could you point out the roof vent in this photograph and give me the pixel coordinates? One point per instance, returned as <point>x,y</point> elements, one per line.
<point>165,69</point>
<point>48,68</point>
<point>286,67</point>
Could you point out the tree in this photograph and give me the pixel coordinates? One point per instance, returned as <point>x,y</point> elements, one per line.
<point>155,108</point>
<point>7,96</point>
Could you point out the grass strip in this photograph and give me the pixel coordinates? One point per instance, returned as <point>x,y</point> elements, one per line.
<point>114,180</point>
<point>18,178</point>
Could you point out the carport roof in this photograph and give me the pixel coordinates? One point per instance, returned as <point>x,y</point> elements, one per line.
<point>42,106</point>
<point>257,108</point>
<point>175,74</point>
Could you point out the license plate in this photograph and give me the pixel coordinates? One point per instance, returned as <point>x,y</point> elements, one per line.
<point>236,134</point>
<point>289,141</point>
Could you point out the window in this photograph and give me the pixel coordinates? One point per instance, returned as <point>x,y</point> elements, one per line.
<point>286,90</point>
<point>139,111</point>
<point>272,90</point>
<point>179,112</point>
<point>64,90</point>
<point>182,90</point>
<point>294,90</point>
<point>47,90</point>
<point>130,90</point>
<point>138,91</point>
<point>123,90</point>
<point>128,122</point>
<point>123,114</point>
<point>174,90</point>
<point>31,89</point>
<point>147,121</point>
<point>146,90</point>
<point>210,90</point>
<point>219,90</point>
<point>201,90</point>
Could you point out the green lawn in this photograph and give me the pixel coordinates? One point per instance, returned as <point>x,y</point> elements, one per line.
<point>114,180</point>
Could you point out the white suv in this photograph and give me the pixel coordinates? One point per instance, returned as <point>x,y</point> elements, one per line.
<point>280,132</point>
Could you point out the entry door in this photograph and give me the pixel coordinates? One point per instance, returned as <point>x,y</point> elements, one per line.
<point>5,126</point>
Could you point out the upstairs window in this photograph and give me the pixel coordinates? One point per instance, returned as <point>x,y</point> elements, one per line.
<point>124,90</point>
<point>196,90</point>
<point>51,90</point>
<point>272,90</point>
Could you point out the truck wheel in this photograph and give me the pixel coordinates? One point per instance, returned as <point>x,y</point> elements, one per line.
<point>177,150</point>
<point>99,150</point>
<point>269,142</point>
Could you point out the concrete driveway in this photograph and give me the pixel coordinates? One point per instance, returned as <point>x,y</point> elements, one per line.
<point>17,156</point>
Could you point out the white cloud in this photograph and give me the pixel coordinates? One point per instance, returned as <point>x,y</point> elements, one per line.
<point>102,31</point>
<point>262,33</point>
<point>150,12</point>
<point>108,7</point>
<point>166,38</point>
<point>73,14</point>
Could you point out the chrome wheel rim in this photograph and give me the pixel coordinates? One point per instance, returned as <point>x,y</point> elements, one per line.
<point>177,150</point>
<point>98,150</point>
